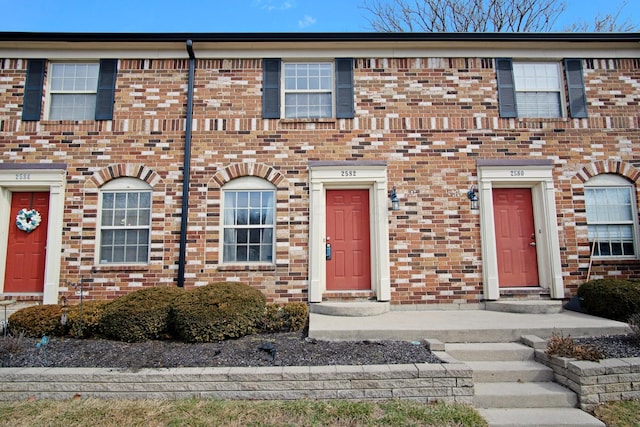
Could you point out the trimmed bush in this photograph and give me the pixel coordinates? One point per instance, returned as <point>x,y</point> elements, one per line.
<point>141,315</point>
<point>290,317</point>
<point>611,298</point>
<point>89,325</point>
<point>218,311</point>
<point>37,321</point>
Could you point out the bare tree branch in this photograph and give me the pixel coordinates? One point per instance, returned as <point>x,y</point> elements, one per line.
<point>481,16</point>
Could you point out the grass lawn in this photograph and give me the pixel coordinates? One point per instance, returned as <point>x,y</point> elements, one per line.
<point>203,412</point>
<point>620,414</point>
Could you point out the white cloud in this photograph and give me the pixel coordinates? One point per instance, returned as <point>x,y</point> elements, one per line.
<point>306,21</point>
<point>270,5</point>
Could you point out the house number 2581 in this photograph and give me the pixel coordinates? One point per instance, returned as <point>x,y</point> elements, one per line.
<point>347,173</point>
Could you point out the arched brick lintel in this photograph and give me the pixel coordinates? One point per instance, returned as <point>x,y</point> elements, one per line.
<point>132,170</point>
<point>238,170</point>
<point>609,166</point>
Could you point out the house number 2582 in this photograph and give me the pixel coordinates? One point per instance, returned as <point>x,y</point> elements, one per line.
<point>347,173</point>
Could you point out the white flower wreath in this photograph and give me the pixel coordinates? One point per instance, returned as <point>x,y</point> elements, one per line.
<point>28,219</point>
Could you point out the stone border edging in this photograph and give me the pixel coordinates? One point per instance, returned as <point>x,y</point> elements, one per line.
<point>445,382</point>
<point>593,382</point>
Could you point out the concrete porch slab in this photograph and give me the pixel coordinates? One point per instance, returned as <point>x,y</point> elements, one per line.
<point>460,326</point>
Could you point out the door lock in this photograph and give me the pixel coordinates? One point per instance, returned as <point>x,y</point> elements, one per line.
<point>328,251</point>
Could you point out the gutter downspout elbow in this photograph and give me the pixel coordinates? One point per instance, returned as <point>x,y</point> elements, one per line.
<point>186,170</point>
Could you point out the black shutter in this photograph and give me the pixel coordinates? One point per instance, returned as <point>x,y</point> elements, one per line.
<point>506,88</point>
<point>105,95</point>
<point>575,84</point>
<point>271,88</point>
<point>32,102</point>
<point>344,88</point>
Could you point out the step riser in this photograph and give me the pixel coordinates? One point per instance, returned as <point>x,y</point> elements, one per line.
<point>542,375</point>
<point>492,355</point>
<point>529,401</point>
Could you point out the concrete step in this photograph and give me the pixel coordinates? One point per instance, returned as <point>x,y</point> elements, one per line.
<point>489,352</point>
<point>511,371</point>
<point>542,417</point>
<point>525,306</point>
<point>523,395</point>
<point>350,308</point>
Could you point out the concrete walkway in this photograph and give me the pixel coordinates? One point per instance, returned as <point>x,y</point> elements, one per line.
<point>460,326</point>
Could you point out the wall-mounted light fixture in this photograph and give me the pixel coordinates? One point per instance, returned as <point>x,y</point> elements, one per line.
<point>395,201</point>
<point>472,195</point>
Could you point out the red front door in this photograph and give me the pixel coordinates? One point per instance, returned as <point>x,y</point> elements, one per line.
<point>24,272</point>
<point>515,237</point>
<point>349,266</point>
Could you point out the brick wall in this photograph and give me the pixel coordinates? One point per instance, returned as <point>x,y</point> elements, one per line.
<point>430,119</point>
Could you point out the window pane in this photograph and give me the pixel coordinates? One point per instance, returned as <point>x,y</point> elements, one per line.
<point>245,239</point>
<point>610,220</point>
<point>122,239</point>
<point>538,104</point>
<point>72,107</point>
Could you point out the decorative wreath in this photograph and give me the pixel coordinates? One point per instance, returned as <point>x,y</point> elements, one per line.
<point>28,219</point>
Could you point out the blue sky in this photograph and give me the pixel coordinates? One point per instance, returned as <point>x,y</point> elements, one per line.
<point>227,15</point>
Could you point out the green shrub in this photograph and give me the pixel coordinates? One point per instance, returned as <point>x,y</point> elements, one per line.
<point>139,316</point>
<point>218,311</point>
<point>611,298</point>
<point>37,320</point>
<point>290,317</point>
<point>88,325</point>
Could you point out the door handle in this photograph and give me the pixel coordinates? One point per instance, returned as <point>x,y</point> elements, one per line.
<point>328,251</point>
<point>532,244</point>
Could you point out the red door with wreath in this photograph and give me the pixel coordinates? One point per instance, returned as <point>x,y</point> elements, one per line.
<point>24,272</point>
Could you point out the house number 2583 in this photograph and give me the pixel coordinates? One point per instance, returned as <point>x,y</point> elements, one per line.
<point>517,173</point>
<point>347,173</point>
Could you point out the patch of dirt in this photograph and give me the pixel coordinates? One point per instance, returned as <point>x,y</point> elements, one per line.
<point>278,349</point>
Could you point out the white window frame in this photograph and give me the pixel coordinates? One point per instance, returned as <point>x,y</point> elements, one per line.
<point>285,91</point>
<point>123,185</point>
<point>612,181</point>
<point>51,92</point>
<point>537,86</point>
<point>247,184</point>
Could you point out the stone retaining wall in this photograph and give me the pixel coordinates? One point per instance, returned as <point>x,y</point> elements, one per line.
<point>596,382</point>
<point>447,382</point>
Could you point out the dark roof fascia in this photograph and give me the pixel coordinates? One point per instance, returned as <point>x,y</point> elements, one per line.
<point>316,37</point>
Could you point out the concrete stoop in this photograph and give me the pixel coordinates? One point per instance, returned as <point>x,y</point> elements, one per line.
<point>525,306</point>
<point>350,309</point>
<point>512,389</point>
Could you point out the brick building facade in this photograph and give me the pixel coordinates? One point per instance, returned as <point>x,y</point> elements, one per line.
<point>294,145</point>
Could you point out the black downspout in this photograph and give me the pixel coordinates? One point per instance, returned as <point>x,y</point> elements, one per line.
<point>186,169</point>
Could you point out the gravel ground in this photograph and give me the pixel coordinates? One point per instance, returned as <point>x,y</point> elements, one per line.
<point>614,346</point>
<point>283,349</point>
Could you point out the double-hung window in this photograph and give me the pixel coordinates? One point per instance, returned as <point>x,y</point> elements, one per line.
<point>538,91</point>
<point>248,224</point>
<point>308,90</point>
<point>611,209</point>
<point>533,89</point>
<point>125,222</point>
<point>72,88</point>
<point>75,91</point>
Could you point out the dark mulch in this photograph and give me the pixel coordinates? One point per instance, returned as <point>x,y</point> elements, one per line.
<point>280,349</point>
